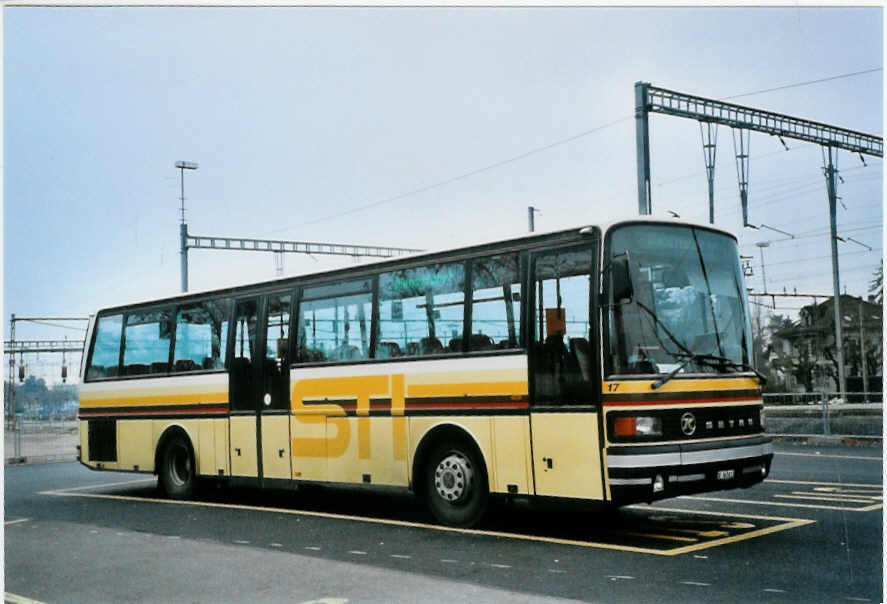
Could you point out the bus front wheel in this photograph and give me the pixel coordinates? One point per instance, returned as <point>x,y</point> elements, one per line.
<point>177,472</point>
<point>456,489</point>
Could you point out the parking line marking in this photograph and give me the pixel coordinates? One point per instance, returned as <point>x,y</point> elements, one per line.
<point>18,521</point>
<point>17,599</point>
<point>660,536</point>
<point>787,523</point>
<point>831,456</point>
<point>826,484</point>
<point>870,493</point>
<point>401,556</point>
<point>827,498</point>
<point>786,504</point>
<point>103,485</point>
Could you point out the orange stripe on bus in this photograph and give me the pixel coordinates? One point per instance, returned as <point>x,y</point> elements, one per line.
<point>87,400</point>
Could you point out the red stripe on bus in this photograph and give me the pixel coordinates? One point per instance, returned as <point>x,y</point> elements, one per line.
<point>506,405</point>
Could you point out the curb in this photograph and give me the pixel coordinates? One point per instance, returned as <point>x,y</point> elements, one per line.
<point>818,440</point>
<point>38,459</point>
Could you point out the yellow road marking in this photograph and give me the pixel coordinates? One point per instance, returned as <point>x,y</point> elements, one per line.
<point>17,599</point>
<point>787,523</point>
<point>831,456</point>
<point>738,525</point>
<point>707,533</point>
<point>750,535</point>
<point>19,521</point>
<point>786,504</point>
<point>659,536</point>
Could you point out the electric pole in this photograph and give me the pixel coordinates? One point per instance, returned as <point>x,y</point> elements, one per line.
<point>531,224</point>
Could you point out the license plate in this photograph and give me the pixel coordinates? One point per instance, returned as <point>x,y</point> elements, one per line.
<point>725,474</point>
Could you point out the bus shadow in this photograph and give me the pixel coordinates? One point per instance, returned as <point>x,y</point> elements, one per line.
<point>572,522</point>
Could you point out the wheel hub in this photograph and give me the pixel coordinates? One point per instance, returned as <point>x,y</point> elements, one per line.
<point>453,478</point>
<point>180,465</point>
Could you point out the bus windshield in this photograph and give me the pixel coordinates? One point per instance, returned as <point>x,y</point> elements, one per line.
<point>687,310</point>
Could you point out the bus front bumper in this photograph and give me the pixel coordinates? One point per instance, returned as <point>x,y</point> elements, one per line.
<point>647,473</point>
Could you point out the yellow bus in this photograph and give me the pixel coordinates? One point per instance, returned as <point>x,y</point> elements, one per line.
<point>605,364</point>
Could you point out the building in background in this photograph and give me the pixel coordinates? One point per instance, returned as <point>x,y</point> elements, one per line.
<point>802,353</point>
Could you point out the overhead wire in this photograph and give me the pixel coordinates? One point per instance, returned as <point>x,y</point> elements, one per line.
<point>537,150</point>
<point>807,83</point>
<point>464,175</point>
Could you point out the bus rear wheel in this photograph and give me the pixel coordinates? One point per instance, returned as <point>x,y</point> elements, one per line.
<point>456,489</point>
<point>177,471</point>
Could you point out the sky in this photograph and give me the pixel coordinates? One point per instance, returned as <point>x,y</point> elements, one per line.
<point>392,126</point>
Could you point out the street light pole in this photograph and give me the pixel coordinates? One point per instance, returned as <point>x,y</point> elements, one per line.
<point>761,245</point>
<point>183,228</point>
<point>531,223</point>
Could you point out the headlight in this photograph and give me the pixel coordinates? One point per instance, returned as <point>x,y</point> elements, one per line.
<point>637,426</point>
<point>649,426</point>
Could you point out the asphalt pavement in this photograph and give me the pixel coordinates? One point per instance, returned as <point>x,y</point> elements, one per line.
<point>812,532</point>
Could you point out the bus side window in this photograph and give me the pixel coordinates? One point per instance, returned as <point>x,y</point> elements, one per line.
<point>277,362</point>
<point>495,309</point>
<point>147,336</point>
<point>334,322</point>
<point>241,373</point>
<point>106,350</point>
<point>421,311</point>
<point>201,334</point>
<point>562,351</point>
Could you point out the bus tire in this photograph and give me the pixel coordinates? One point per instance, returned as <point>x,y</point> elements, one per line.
<point>178,473</point>
<point>455,488</point>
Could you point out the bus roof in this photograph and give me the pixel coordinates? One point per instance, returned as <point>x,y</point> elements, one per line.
<point>541,236</point>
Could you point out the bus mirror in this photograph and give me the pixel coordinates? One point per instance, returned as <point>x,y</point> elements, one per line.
<point>621,280</point>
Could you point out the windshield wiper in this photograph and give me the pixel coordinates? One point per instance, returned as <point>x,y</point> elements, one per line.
<point>706,359</point>
<point>712,360</point>
<point>736,365</point>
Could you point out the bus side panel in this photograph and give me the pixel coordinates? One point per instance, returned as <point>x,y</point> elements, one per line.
<point>373,454</point>
<point>308,435</point>
<point>205,447</point>
<point>566,455</point>
<point>276,456</point>
<point>134,440</point>
<point>244,459</point>
<point>220,443</point>
<point>511,446</point>
<point>84,443</point>
<point>478,428</point>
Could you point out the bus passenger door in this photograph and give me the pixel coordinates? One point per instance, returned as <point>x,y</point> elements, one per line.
<point>275,407</point>
<point>565,409</point>
<point>245,389</point>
